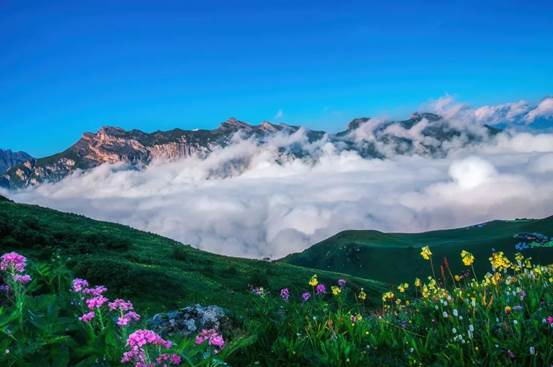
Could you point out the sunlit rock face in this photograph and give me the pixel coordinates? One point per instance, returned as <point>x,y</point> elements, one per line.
<point>422,134</point>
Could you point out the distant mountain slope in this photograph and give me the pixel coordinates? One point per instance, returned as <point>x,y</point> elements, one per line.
<point>9,159</point>
<point>152,270</point>
<point>394,257</point>
<point>422,133</point>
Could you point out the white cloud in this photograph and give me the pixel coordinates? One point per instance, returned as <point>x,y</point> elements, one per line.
<point>543,110</point>
<point>270,209</point>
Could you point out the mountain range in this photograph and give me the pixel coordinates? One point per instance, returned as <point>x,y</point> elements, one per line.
<point>422,133</point>
<point>8,159</point>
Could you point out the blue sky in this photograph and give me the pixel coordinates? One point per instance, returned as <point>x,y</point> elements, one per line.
<point>68,67</point>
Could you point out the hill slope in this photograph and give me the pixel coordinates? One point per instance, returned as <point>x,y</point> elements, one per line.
<point>156,272</point>
<point>394,257</point>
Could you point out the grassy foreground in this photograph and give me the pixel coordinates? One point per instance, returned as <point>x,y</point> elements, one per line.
<point>159,274</point>
<point>506,318</point>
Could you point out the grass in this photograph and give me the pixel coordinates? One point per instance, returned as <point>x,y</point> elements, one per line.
<point>388,257</point>
<point>157,273</point>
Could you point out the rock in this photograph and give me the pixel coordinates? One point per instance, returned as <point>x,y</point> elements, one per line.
<point>190,320</point>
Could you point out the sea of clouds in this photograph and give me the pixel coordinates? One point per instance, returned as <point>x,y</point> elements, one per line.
<point>272,209</point>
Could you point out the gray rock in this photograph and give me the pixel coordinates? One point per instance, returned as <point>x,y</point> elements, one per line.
<point>190,320</point>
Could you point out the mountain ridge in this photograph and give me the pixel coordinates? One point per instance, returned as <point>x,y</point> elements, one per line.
<point>423,133</point>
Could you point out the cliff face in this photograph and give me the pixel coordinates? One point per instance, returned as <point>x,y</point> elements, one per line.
<point>423,133</point>
<point>9,159</point>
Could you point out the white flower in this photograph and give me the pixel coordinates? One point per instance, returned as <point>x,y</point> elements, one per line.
<point>515,322</point>
<point>532,350</point>
<point>445,314</point>
<point>471,328</point>
<point>455,313</point>
<point>454,331</point>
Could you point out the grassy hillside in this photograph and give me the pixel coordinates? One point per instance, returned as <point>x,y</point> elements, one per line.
<point>394,257</point>
<point>156,272</point>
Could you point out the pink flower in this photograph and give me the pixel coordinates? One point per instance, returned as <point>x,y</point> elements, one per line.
<point>173,359</point>
<point>120,304</point>
<point>13,262</point>
<point>87,316</point>
<point>96,302</point>
<point>285,294</point>
<point>128,317</point>
<point>137,341</point>
<point>95,292</point>
<point>23,279</point>
<point>549,320</point>
<point>212,336</point>
<point>321,289</point>
<point>79,285</point>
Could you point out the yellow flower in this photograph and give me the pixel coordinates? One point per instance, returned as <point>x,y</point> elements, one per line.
<point>335,290</point>
<point>499,261</point>
<point>457,278</point>
<point>519,257</point>
<point>402,287</point>
<point>358,317</point>
<point>313,281</point>
<point>418,282</point>
<point>388,296</point>
<point>467,257</point>
<point>425,291</point>
<point>426,253</point>
<point>362,295</point>
<point>398,301</point>
<point>508,310</point>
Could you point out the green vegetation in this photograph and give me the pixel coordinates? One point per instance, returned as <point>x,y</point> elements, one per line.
<point>369,254</point>
<point>157,273</point>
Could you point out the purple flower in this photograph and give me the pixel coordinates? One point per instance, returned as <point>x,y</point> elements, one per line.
<point>173,359</point>
<point>13,262</point>
<point>549,320</point>
<point>121,305</point>
<point>321,289</point>
<point>127,318</point>
<point>4,288</point>
<point>87,316</point>
<point>96,302</point>
<point>79,285</point>
<point>305,296</point>
<point>212,336</point>
<point>284,294</point>
<point>342,283</point>
<point>95,292</point>
<point>136,343</point>
<point>23,279</point>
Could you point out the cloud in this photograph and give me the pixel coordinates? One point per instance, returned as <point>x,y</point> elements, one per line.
<point>543,110</point>
<point>272,209</point>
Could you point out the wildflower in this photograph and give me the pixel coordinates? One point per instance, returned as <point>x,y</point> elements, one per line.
<point>13,262</point>
<point>549,320</point>
<point>96,302</point>
<point>455,313</point>
<point>137,341</point>
<point>313,281</point>
<point>388,296</point>
<point>259,291</point>
<point>284,294</point>
<point>335,290</point>
<point>127,318</point>
<point>305,296</point>
<point>94,292</point>
<point>212,336</point>
<point>23,279</point>
<point>467,257</point>
<point>402,287</point>
<point>499,261</point>
<point>426,253</point>
<point>457,278</point>
<point>87,316</point>
<point>454,331</point>
<point>418,282</point>
<point>321,289</point>
<point>79,285</point>
<point>165,358</point>
<point>507,310</point>
<point>341,283</point>
<point>445,315</point>
<point>532,350</point>
<point>121,305</point>
<point>362,295</point>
